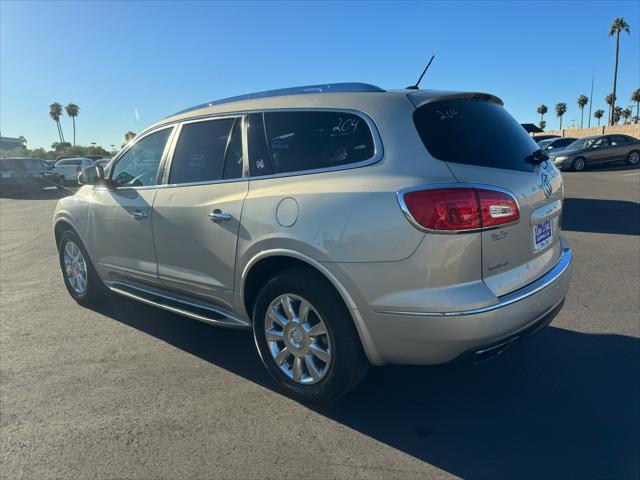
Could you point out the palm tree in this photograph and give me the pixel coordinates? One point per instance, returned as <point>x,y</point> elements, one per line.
<point>618,25</point>
<point>73,110</point>
<point>561,109</point>
<point>55,112</point>
<point>610,100</point>
<point>635,97</point>
<point>129,136</point>
<point>598,114</point>
<point>22,141</point>
<point>582,102</point>
<point>542,124</point>
<point>617,114</point>
<point>626,115</point>
<point>542,109</point>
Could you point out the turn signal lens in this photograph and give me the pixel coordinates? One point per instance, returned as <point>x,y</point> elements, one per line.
<point>461,208</point>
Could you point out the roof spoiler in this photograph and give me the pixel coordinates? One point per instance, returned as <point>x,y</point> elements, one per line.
<point>422,97</point>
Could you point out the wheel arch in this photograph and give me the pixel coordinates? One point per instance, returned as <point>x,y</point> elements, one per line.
<point>267,263</point>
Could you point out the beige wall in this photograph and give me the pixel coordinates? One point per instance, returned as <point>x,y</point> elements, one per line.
<point>631,130</point>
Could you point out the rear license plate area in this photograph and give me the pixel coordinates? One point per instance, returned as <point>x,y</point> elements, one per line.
<point>542,235</point>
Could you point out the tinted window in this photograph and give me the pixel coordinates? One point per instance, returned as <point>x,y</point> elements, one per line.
<point>619,140</point>
<point>259,160</point>
<point>564,142</point>
<point>474,132</point>
<point>200,152</point>
<point>299,141</point>
<point>138,167</point>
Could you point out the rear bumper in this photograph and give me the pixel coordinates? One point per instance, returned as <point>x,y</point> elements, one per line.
<point>439,337</point>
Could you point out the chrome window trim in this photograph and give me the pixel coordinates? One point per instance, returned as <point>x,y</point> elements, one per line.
<point>378,150</point>
<point>161,164</point>
<point>378,153</point>
<point>169,162</point>
<point>407,213</point>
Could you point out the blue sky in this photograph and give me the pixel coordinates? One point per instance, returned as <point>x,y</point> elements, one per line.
<point>127,64</point>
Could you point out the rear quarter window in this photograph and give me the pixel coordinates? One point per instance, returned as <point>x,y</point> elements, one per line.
<point>312,140</point>
<point>474,132</point>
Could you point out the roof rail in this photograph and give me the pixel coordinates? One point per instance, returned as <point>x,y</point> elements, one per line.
<point>322,88</point>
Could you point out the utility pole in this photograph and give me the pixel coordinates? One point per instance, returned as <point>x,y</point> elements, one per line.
<point>591,97</point>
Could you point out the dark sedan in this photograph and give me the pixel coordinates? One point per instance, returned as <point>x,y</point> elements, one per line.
<point>27,174</point>
<point>597,150</point>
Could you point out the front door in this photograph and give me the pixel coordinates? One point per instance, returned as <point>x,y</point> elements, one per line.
<point>197,215</point>
<point>120,236</point>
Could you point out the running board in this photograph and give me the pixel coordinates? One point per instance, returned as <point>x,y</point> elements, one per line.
<point>180,305</point>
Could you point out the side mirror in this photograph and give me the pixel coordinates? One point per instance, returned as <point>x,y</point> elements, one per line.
<point>91,176</point>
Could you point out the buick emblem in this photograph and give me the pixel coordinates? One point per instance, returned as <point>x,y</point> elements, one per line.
<point>546,185</point>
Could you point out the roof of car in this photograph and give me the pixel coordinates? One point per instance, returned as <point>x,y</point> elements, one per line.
<point>332,95</point>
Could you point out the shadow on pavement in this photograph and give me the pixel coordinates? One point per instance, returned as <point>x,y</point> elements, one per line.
<point>51,193</point>
<point>601,216</point>
<point>610,167</point>
<point>562,405</point>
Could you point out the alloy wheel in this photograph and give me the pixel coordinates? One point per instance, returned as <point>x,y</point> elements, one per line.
<point>634,158</point>
<point>578,164</point>
<point>298,339</point>
<point>75,268</point>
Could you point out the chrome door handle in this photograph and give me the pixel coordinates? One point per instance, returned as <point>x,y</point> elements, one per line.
<point>219,216</point>
<point>138,215</point>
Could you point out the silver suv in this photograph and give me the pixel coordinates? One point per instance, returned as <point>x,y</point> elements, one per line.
<point>344,224</point>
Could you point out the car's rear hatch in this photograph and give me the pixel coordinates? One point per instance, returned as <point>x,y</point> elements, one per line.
<point>484,146</point>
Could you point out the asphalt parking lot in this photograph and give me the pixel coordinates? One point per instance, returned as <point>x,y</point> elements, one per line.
<point>134,392</point>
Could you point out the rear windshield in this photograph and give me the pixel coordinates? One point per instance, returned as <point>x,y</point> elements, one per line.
<point>474,132</point>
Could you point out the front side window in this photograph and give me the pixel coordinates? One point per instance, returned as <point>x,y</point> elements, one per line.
<point>208,151</point>
<point>138,167</point>
<point>309,140</point>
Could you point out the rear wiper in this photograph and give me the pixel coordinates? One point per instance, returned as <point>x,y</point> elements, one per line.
<point>536,158</point>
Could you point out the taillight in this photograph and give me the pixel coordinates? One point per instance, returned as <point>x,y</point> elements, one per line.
<point>497,208</point>
<point>468,208</point>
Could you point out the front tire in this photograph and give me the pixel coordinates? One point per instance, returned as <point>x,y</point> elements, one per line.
<point>633,158</point>
<point>306,338</point>
<point>579,164</point>
<point>80,278</point>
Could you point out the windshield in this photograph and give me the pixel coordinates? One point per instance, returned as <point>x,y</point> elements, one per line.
<point>474,132</point>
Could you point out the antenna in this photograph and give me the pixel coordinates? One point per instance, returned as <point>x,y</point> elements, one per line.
<point>415,87</point>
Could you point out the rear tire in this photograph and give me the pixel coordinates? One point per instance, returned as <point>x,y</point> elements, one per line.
<point>80,278</point>
<point>633,158</point>
<point>313,337</point>
<point>579,164</point>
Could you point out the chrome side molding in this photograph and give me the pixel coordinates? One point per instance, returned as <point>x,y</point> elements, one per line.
<point>195,309</point>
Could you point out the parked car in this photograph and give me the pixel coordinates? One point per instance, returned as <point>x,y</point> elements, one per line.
<point>344,224</point>
<point>555,144</point>
<point>597,150</point>
<point>103,162</point>
<point>69,168</point>
<point>539,138</point>
<point>27,174</point>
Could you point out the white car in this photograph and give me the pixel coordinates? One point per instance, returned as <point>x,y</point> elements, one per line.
<point>69,168</point>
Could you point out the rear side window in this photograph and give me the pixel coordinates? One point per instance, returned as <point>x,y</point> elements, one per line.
<point>474,132</point>
<point>308,140</point>
<point>208,151</point>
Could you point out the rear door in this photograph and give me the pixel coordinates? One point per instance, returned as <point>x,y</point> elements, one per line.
<point>483,145</point>
<point>197,214</point>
